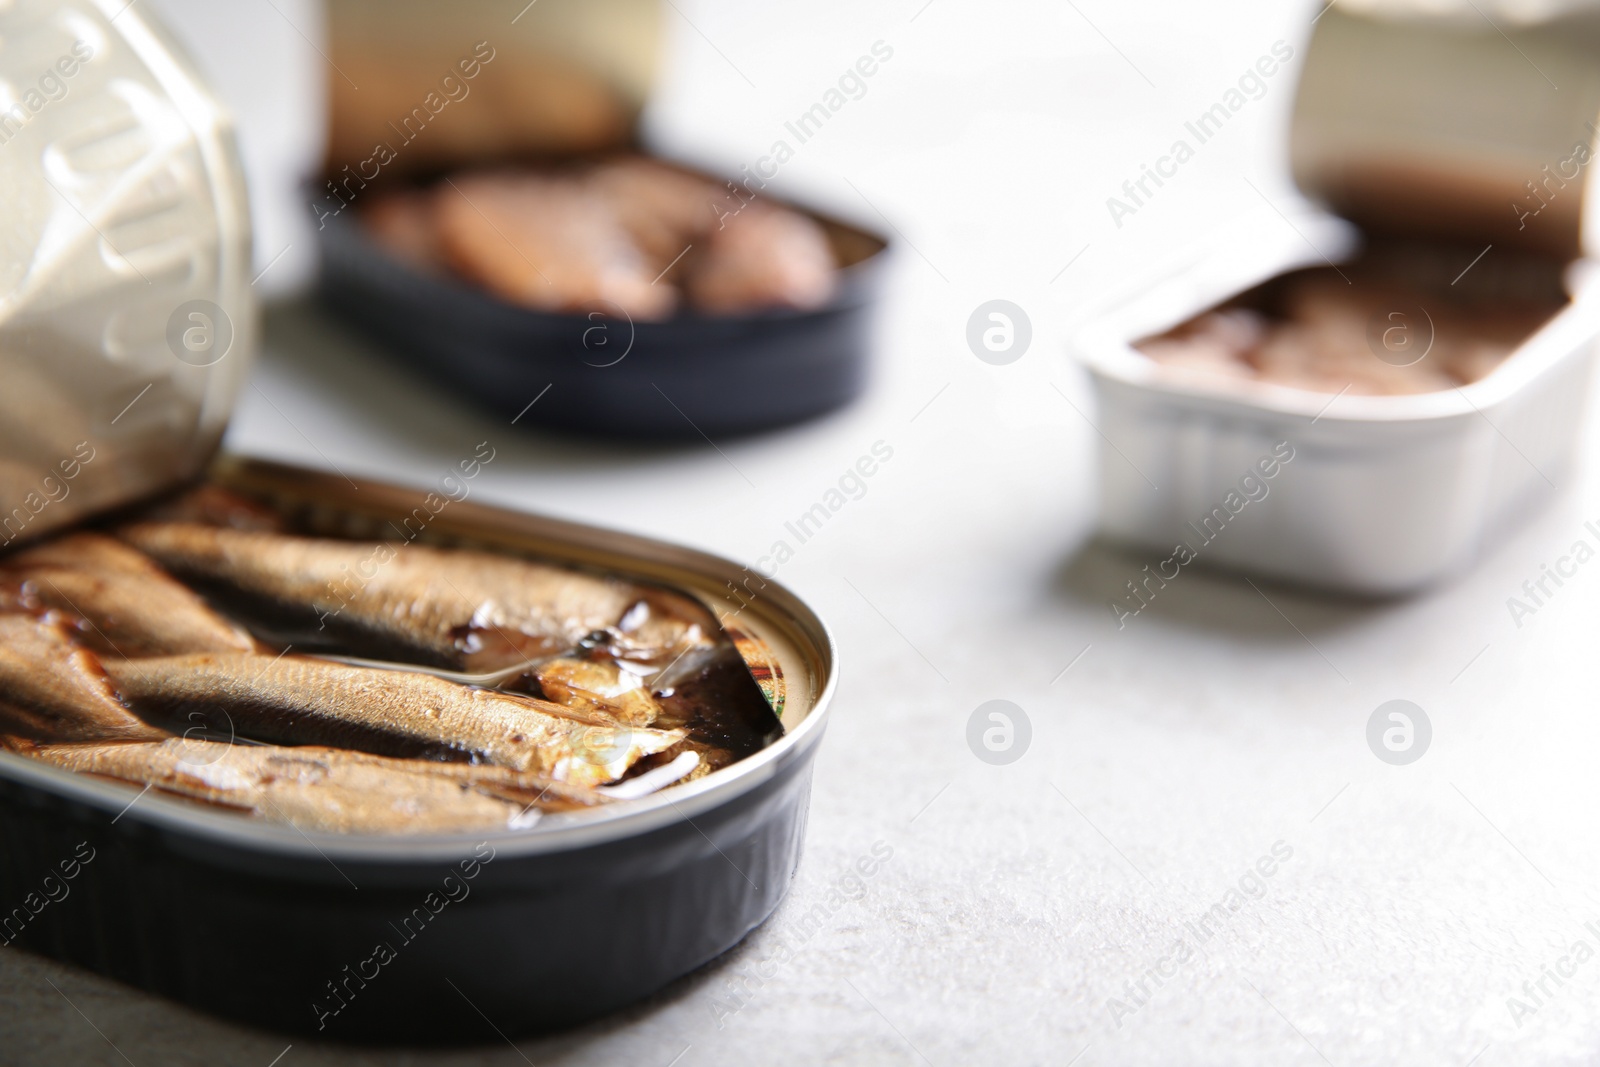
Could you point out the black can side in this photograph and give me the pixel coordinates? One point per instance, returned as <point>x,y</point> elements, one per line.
<point>679,379</point>
<point>393,950</point>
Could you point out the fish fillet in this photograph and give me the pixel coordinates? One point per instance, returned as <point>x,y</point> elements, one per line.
<point>456,609</point>
<point>399,713</point>
<point>546,242</point>
<point>53,690</point>
<point>324,789</point>
<point>406,224</point>
<point>130,607</point>
<point>598,688</point>
<point>664,209</point>
<point>762,257</point>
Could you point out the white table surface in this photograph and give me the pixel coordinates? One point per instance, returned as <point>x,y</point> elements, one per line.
<point>1020,899</point>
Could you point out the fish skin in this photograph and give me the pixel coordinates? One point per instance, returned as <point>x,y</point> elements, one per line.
<point>547,242</point>
<point>322,789</point>
<point>763,256</point>
<point>399,713</point>
<point>131,607</point>
<point>51,689</point>
<point>663,208</point>
<point>460,610</point>
<point>405,224</point>
<point>598,687</point>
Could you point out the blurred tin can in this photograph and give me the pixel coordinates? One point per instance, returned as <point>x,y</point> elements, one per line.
<point>1418,129</point>
<point>126,326</point>
<point>567,83</point>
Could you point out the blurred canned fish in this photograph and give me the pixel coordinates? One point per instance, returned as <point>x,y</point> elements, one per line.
<point>1434,141</point>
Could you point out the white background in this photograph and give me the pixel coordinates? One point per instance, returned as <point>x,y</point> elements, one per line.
<point>1020,899</point>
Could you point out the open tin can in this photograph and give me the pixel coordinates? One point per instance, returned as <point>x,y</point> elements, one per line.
<point>563,86</point>
<point>432,937</point>
<point>392,937</point>
<point>1435,142</point>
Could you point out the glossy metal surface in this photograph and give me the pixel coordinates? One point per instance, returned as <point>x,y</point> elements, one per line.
<point>126,323</point>
<point>1407,123</point>
<point>1385,494</point>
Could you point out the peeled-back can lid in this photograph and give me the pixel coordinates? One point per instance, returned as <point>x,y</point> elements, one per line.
<point>1470,119</point>
<point>418,85</point>
<point>126,323</point>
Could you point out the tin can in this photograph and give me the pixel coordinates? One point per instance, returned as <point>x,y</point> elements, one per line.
<point>568,84</point>
<point>128,221</point>
<point>432,938</point>
<point>127,324</point>
<point>1413,129</point>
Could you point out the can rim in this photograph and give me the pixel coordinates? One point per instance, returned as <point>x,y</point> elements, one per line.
<point>1105,349</point>
<point>1110,358</point>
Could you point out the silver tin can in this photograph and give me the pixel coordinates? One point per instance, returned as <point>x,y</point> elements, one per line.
<point>1394,131</point>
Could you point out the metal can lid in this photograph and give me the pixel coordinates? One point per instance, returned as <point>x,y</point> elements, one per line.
<point>126,323</point>
<point>1453,118</point>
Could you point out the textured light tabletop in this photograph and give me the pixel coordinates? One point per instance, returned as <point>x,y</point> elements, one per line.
<point>1197,859</point>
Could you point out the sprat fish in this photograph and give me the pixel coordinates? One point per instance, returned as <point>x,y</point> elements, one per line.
<point>598,687</point>
<point>316,788</point>
<point>295,700</point>
<point>51,689</point>
<point>454,609</point>
<point>129,606</point>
